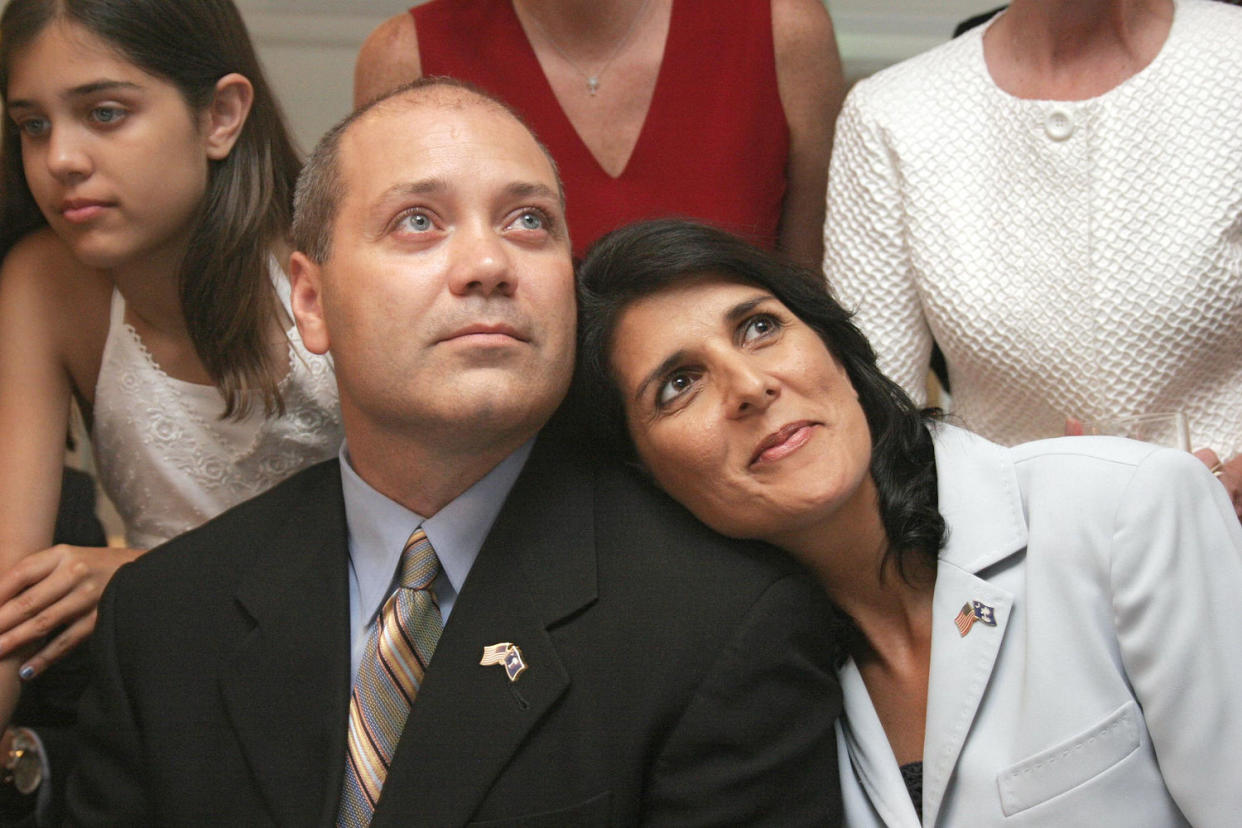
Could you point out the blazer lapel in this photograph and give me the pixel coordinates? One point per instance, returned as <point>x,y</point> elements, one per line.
<point>981,501</point>
<point>961,666</point>
<point>286,686</point>
<point>870,755</point>
<point>536,567</point>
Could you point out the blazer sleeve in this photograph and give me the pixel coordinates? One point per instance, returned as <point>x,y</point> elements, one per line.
<point>106,786</point>
<point>1176,580</point>
<point>866,255</point>
<point>772,686</point>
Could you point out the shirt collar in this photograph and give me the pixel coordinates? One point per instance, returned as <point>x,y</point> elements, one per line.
<point>379,526</point>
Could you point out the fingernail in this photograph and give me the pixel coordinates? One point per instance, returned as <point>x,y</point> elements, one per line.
<point>27,673</point>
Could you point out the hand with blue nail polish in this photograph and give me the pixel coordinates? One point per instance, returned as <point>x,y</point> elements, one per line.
<point>55,589</point>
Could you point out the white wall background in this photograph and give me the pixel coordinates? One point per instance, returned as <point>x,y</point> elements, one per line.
<point>308,46</point>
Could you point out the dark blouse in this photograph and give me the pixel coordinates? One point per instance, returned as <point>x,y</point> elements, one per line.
<point>912,775</point>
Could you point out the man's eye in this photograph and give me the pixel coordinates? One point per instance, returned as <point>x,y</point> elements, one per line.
<point>532,220</point>
<point>416,223</point>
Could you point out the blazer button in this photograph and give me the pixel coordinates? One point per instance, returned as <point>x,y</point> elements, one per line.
<point>1059,125</point>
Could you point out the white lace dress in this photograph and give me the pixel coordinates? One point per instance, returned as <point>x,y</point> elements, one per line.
<point>1071,258</point>
<point>167,460</point>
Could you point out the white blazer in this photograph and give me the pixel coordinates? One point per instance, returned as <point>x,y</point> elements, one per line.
<point>1109,691</point>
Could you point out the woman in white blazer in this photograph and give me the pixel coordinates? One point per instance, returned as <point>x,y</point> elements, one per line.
<point>1040,635</point>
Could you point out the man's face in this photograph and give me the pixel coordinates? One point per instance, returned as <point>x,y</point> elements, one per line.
<point>447,300</point>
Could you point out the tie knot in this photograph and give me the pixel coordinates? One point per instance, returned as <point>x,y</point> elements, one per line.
<point>419,564</point>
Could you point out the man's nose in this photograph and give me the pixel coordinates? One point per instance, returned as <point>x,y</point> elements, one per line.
<point>481,262</point>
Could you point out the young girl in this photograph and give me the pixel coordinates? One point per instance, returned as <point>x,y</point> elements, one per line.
<point>147,190</point>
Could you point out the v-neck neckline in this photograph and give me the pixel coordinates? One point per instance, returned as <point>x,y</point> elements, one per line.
<point>560,110</point>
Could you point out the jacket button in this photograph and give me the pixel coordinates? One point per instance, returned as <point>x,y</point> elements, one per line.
<point>1059,125</point>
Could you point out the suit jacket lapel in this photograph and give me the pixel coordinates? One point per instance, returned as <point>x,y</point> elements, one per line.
<point>286,686</point>
<point>981,501</point>
<point>536,567</point>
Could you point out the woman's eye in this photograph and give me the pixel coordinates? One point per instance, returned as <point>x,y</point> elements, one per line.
<point>673,387</point>
<point>415,223</point>
<point>34,127</point>
<point>107,115</point>
<point>758,327</point>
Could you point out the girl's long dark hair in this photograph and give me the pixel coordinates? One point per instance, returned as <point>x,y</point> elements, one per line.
<point>226,292</point>
<point>638,260</point>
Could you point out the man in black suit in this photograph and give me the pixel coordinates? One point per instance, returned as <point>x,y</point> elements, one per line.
<point>607,661</point>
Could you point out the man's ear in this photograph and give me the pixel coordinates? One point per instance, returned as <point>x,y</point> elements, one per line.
<point>226,114</point>
<point>306,298</point>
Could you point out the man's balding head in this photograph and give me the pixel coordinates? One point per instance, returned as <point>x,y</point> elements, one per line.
<point>317,198</point>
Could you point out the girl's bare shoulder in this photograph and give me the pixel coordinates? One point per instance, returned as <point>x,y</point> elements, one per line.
<point>56,300</point>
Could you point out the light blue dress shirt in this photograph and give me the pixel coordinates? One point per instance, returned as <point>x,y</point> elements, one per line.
<point>379,528</point>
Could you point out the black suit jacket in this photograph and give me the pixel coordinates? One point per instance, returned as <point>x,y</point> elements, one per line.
<point>674,677</point>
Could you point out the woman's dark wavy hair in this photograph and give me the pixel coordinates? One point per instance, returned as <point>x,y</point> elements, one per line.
<point>642,259</point>
<point>226,294</point>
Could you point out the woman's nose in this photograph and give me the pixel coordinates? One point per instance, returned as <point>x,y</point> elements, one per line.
<point>748,389</point>
<point>481,262</point>
<point>67,157</point>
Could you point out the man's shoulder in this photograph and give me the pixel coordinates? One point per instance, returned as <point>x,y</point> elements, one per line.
<point>646,544</point>
<point>232,538</point>
<point>635,518</point>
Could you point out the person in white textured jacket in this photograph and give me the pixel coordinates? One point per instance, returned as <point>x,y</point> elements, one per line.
<point>1056,200</point>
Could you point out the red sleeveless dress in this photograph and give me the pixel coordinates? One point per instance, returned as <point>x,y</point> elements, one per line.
<point>715,143</point>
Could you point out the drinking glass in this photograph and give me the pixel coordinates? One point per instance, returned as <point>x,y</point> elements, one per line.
<point>1164,428</point>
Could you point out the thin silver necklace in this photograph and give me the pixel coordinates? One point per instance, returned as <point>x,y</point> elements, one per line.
<point>592,78</point>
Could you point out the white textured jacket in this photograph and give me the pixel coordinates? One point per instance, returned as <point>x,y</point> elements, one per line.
<point>1109,691</point>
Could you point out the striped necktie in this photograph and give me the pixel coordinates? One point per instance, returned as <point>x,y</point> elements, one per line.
<point>396,655</point>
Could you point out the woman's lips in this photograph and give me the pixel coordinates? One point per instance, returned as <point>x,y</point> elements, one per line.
<point>81,210</point>
<point>783,442</point>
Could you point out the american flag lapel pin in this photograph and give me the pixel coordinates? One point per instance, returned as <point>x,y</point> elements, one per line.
<point>971,612</point>
<point>506,654</point>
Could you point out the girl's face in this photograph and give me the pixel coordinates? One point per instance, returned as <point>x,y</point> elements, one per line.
<point>115,158</point>
<point>739,411</point>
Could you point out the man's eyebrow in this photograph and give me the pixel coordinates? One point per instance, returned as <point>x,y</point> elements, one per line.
<point>420,187</point>
<point>401,190</point>
<point>81,91</point>
<point>529,189</point>
<point>660,370</point>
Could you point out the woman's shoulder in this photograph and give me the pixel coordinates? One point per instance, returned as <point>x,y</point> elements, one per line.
<point>42,256</point>
<point>1204,13</point>
<point>58,300</point>
<point>1210,34</point>
<point>931,80</point>
<point>1118,479</point>
<point>1085,463</point>
<point>41,273</point>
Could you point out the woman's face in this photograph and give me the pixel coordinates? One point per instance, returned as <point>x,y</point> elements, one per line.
<point>739,411</point>
<point>115,158</point>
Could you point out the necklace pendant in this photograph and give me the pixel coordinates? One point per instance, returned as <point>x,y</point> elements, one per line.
<point>593,85</point>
